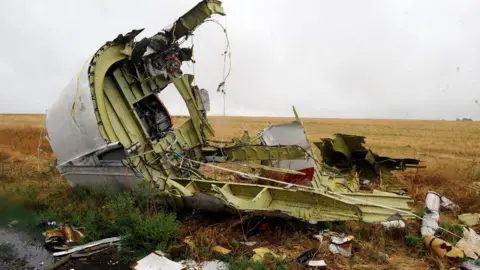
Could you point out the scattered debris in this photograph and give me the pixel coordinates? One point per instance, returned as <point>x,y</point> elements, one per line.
<point>307,255</point>
<point>248,244</point>
<point>347,152</point>
<point>470,265</point>
<point>188,240</point>
<point>382,256</point>
<point>319,263</point>
<point>429,226</point>
<point>214,265</point>
<point>469,219</point>
<point>12,223</point>
<point>91,251</point>
<point>156,260</point>
<point>58,239</point>
<point>341,245</point>
<point>221,250</point>
<point>446,203</point>
<point>395,221</point>
<point>433,201</point>
<point>261,253</point>
<point>470,243</point>
<point>107,241</point>
<point>441,247</point>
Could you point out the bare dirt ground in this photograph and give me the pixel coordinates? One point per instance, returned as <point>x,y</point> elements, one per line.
<point>450,150</point>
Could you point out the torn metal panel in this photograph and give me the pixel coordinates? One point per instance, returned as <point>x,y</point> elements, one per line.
<point>346,153</point>
<point>262,199</point>
<point>290,134</point>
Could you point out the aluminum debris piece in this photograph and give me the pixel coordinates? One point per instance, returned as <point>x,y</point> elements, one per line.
<point>432,215</point>
<point>394,224</point>
<point>442,248</point>
<point>61,237</point>
<point>470,243</point>
<point>157,260</point>
<point>249,244</point>
<point>110,241</point>
<point>345,153</point>
<point>317,263</point>
<point>12,223</point>
<point>214,265</point>
<point>470,219</point>
<point>341,245</point>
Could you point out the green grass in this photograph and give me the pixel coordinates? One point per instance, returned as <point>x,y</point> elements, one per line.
<point>127,215</point>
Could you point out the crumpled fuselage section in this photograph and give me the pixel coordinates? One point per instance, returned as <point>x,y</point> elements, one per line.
<point>278,172</point>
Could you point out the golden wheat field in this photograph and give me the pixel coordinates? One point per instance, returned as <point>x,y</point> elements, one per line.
<point>449,149</point>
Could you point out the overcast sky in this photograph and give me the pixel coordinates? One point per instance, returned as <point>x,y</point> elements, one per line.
<point>362,59</point>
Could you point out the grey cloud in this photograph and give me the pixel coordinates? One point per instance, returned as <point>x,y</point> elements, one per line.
<point>380,59</point>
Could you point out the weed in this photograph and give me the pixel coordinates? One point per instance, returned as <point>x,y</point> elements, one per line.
<point>420,212</point>
<point>413,240</point>
<point>244,265</point>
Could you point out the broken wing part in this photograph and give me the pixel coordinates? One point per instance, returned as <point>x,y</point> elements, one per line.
<point>193,18</point>
<point>347,152</point>
<point>379,206</point>
<point>268,200</point>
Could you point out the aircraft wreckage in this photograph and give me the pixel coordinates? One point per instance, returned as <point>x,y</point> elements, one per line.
<point>109,127</point>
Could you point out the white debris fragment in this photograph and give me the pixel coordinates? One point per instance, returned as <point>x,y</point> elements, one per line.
<point>12,223</point>
<point>157,260</point>
<point>341,245</point>
<point>394,224</point>
<point>214,265</point>
<point>249,244</point>
<point>335,249</point>
<point>319,263</point>
<point>470,243</point>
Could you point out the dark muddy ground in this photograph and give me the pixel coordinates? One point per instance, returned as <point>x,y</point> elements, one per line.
<point>19,251</point>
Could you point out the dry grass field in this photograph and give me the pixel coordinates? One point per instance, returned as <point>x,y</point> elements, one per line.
<point>450,150</point>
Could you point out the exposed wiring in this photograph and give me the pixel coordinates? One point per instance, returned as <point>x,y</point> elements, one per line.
<point>227,53</point>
